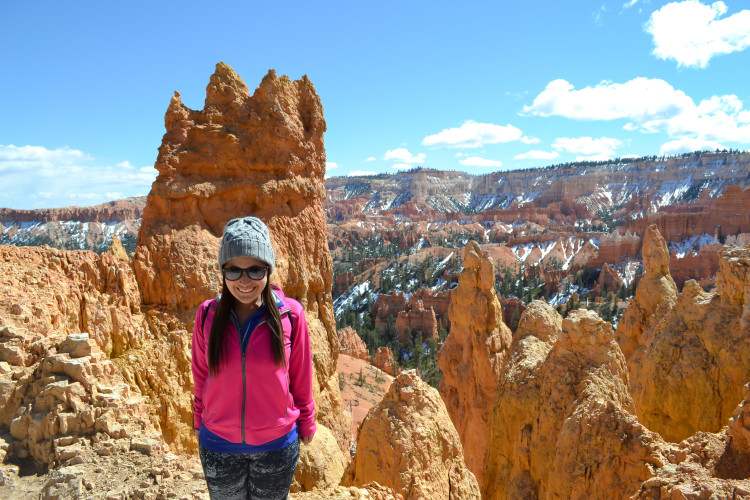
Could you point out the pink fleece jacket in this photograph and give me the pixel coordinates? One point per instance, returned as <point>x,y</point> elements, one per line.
<point>273,397</point>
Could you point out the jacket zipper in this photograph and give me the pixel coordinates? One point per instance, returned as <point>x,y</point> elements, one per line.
<point>244,374</point>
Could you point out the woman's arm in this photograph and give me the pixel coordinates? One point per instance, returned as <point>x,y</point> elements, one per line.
<point>301,373</point>
<point>199,364</point>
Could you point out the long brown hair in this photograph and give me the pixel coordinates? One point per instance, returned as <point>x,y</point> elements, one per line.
<point>216,342</point>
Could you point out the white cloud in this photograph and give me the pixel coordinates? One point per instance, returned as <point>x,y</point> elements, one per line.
<point>330,165</point>
<point>536,154</point>
<point>629,4</point>
<point>688,145</point>
<point>475,161</point>
<point>402,155</point>
<point>651,105</point>
<point>371,158</point>
<point>589,148</point>
<point>360,173</point>
<point>640,99</point>
<point>692,33</point>
<point>48,178</point>
<point>473,135</point>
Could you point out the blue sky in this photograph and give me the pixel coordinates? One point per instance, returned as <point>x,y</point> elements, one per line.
<point>477,87</point>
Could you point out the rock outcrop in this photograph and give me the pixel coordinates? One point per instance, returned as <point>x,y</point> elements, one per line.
<point>688,372</point>
<point>563,425</point>
<point>655,295</point>
<point>243,154</point>
<point>472,356</point>
<point>418,320</point>
<point>63,316</point>
<point>423,457</point>
<point>388,305</point>
<point>383,359</point>
<point>352,345</point>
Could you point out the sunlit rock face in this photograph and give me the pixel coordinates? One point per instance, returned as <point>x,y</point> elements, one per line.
<point>408,443</point>
<point>687,375</point>
<point>563,425</point>
<point>472,356</point>
<point>655,295</point>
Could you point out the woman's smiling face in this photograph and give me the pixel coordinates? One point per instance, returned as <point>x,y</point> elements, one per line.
<point>247,291</point>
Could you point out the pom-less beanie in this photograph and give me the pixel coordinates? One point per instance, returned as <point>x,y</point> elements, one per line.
<point>246,237</point>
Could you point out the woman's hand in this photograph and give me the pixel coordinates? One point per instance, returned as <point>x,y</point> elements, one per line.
<point>197,434</point>
<point>306,440</point>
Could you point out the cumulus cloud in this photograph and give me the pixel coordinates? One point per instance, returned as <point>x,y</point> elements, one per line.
<point>651,105</point>
<point>536,154</point>
<point>588,148</point>
<point>640,99</point>
<point>38,177</point>
<point>331,165</point>
<point>360,173</point>
<point>476,161</point>
<point>692,33</point>
<point>474,135</point>
<point>371,158</point>
<point>402,155</point>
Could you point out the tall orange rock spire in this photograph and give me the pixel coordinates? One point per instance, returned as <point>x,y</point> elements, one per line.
<point>472,356</point>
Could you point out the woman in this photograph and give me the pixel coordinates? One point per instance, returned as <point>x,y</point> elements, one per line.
<point>252,370</point>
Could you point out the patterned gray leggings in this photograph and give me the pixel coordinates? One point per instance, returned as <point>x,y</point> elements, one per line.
<point>250,476</point>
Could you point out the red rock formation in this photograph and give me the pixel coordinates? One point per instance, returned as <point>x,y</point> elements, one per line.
<point>417,320</point>
<point>512,311</point>
<point>383,359</point>
<point>112,211</point>
<point>609,281</point>
<point>439,302</point>
<point>423,457</point>
<point>472,356</point>
<point>701,267</point>
<point>243,154</point>
<point>352,345</point>
<point>388,305</point>
<point>343,282</point>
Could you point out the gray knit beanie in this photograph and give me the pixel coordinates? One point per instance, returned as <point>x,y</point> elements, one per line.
<point>246,237</point>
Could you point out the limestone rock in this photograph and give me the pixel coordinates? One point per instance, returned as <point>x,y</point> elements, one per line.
<point>243,154</point>
<point>655,295</point>
<point>687,375</point>
<point>739,425</point>
<point>383,359</point>
<point>419,321</point>
<point>472,356</point>
<point>388,305</point>
<point>563,423</point>
<point>321,463</point>
<point>352,345</point>
<point>408,443</point>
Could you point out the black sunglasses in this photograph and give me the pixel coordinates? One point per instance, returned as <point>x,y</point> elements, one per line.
<point>233,273</point>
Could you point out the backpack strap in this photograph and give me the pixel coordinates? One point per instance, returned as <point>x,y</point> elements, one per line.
<point>213,305</point>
